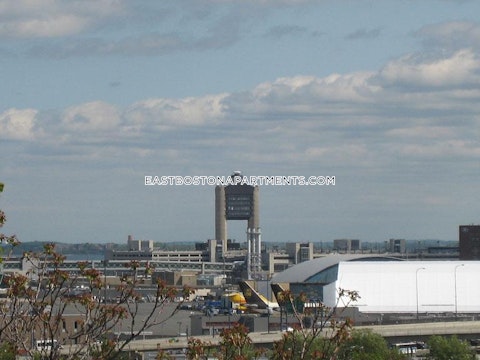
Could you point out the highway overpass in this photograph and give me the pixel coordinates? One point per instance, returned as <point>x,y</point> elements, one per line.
<point>392,333</point>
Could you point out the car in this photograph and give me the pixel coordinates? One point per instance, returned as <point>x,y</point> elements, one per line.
<point>46,345</point>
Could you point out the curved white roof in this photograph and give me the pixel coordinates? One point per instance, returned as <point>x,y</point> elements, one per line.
<point>301,272</point>
<point>387,286</point>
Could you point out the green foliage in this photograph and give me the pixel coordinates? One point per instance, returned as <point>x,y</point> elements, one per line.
<point>449,348</point>
<point>7,352</point>
<point>366,345</point>
<point>296,345</point>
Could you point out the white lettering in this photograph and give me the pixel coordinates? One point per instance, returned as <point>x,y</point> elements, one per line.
<point>276,180</point>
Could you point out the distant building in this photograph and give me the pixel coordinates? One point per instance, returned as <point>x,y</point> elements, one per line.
<point>144,250</point>
<point>211,280</point>
<point>398,246</point>
<point>346,245</point>
<point>139,245</point>
<point>176,278</point>
<point>66,330</point>
<point>277,261</point>
<point>300,252</point>
<point>469,238</point>
<point>209,247</point>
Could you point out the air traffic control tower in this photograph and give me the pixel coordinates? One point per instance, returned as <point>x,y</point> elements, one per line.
<point>239,202</point>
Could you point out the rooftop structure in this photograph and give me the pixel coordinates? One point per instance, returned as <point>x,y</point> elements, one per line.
<point>346,245</point>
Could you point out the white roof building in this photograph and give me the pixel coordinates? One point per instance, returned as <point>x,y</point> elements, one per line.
<point>411,286</point>
<point>388,285</point>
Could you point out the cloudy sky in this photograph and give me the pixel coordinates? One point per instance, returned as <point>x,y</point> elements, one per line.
<point>96,94</point>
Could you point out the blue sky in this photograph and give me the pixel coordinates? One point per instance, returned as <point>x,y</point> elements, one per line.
<point>383,95</point>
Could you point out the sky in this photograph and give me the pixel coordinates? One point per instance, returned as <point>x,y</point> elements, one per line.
<point>97,94</point>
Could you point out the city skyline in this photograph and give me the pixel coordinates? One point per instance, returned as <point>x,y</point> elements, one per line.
<point>384,96</point>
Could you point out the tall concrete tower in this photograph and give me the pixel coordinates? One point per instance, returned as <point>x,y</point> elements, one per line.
<point>220,217</point>
<point>239,202</point>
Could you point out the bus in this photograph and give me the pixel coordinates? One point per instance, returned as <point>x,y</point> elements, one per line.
<point>409,348</point>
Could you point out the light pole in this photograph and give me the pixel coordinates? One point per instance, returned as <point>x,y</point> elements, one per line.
<point>416,285</point>
<point>268,311</point>
<point>455,275</point>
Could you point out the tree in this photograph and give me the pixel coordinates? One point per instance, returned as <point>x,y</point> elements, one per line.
<point>198,349</point>
<point>449,348</point>
<point>294,343</point>
<point>320,330</point>
<point>37,303</point>
<point>235,344</point>
<point>366,345</point>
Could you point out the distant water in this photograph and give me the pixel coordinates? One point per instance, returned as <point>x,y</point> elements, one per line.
<point>95,256</point>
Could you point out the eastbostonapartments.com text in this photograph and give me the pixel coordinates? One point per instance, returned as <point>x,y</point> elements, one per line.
<point>239,180</point>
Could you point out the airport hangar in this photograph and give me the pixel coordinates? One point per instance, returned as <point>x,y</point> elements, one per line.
<point>387,284</point>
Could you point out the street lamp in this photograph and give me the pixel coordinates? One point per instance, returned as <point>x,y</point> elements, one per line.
<point>268,311</point>
<point>416,285</point>
<point>455,275</point>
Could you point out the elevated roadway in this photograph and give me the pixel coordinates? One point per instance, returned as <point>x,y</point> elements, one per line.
<point>398,331</point>
<point>426,329</point>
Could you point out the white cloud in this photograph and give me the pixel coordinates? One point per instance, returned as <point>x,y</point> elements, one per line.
<point>91,117</point>
<point>306,95</point>
<point>461,69</point>
<point>332,88</point>
<point>18,124</point>
<point>413,121</point>
<point>358,119</point>
<point>164,114</point>
<point>53,18</point>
